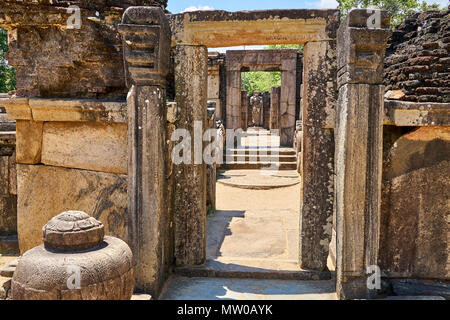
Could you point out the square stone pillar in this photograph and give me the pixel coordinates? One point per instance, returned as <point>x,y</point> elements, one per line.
<point>191,75</point>
<point>146,37</point>
<point>359,149</point>
<point>287,105</point>
<point>233,107</point>
<point>244,110</point>
<point>275,108</point>
<point>317,164</point>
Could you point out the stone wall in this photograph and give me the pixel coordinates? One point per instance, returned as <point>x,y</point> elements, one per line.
<point>415,213</point>
<point>71,155</point>
<point>8,183</point>
<point>415,231</point>
<point>417,59</point>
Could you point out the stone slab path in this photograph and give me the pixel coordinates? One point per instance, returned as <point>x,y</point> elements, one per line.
<point>252,245</point>
<point>181,288</point>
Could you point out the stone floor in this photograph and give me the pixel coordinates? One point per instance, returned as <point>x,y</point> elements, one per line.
<point>181,288</point>
<point>266,221</point>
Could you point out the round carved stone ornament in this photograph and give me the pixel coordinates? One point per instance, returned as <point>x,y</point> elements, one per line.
<point>76,262</point>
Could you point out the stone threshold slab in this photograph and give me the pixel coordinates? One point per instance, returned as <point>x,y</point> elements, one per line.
<point>216,269</point>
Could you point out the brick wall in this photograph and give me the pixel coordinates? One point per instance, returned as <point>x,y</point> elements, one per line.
<point>417,59</point>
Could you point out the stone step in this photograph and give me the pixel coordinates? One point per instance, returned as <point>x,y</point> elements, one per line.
<point>215,269</point>
<point>259,165</point>
<point>261,158</point>
<point>265,151</point>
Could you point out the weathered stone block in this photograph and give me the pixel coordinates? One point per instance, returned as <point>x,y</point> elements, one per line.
<point>29,141</point>
<point>90,145</point>
<point>44,192</point>
<point>415,208</point>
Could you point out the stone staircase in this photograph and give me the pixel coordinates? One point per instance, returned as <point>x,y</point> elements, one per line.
<point>260,149</point>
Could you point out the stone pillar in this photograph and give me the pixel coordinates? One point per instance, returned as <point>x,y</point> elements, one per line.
<point>233,108</point>
<point>359,149</point>
<point>317,164</point>
<point>275,108</point>
<point>146,38</point>
<point>244,110</point>
<point>287,102</point>
<point>191,74</point>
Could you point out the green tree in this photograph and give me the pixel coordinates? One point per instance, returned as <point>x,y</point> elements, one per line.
<point>7,73</point>
<point>399,9</point>
<point>260,81</point>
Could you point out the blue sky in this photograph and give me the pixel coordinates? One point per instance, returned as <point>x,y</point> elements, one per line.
<point>176,6</point>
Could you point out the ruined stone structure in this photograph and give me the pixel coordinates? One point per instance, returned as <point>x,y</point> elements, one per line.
<point>97,152</point>
<point>417,60</point>
<point>264,60</point>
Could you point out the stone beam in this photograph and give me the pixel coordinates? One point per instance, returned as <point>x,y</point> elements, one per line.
<point>146,40</point>
<point>421,114</point>
<point>225,29</point>
<point>191,74</point>
<point>359,150</point>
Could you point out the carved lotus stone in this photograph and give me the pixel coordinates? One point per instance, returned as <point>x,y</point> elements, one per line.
<point>76,262</point>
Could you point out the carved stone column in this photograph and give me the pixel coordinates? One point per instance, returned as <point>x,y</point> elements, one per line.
<point>146,38</point>
<point>359,138</point>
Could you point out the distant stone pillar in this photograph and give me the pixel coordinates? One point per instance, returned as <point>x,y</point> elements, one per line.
<point>317,163</point>
<point>244,110</point>
<point>191,74</point>
<point>146,38</point>
<point>233,108</point>
<point>287,102</point>
<point>275,108</point>
<point>359,148</point>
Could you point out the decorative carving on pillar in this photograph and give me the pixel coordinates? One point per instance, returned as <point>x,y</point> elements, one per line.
<point>146,39</point>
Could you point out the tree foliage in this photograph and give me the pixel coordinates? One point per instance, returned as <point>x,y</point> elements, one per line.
<point>264,81</point>
<point>7,74</point>
<point>399,9</point>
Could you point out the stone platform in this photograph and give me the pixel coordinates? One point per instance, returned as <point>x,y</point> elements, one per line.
<point>258,179</point>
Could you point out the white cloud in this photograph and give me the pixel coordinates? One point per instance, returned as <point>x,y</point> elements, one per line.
<point>328,4</point>
<point>198,8</point>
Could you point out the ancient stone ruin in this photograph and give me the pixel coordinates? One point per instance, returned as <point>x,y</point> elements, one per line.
<point>363,115</point>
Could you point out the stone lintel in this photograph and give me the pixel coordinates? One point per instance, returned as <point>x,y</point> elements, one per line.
<point>37,109</point>
<point>223,29</point>
<point>262,60</point>
<point>403,113</point>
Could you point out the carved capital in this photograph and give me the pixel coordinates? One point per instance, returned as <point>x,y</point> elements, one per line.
<point>362,40</point>
<point>146,41</point>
